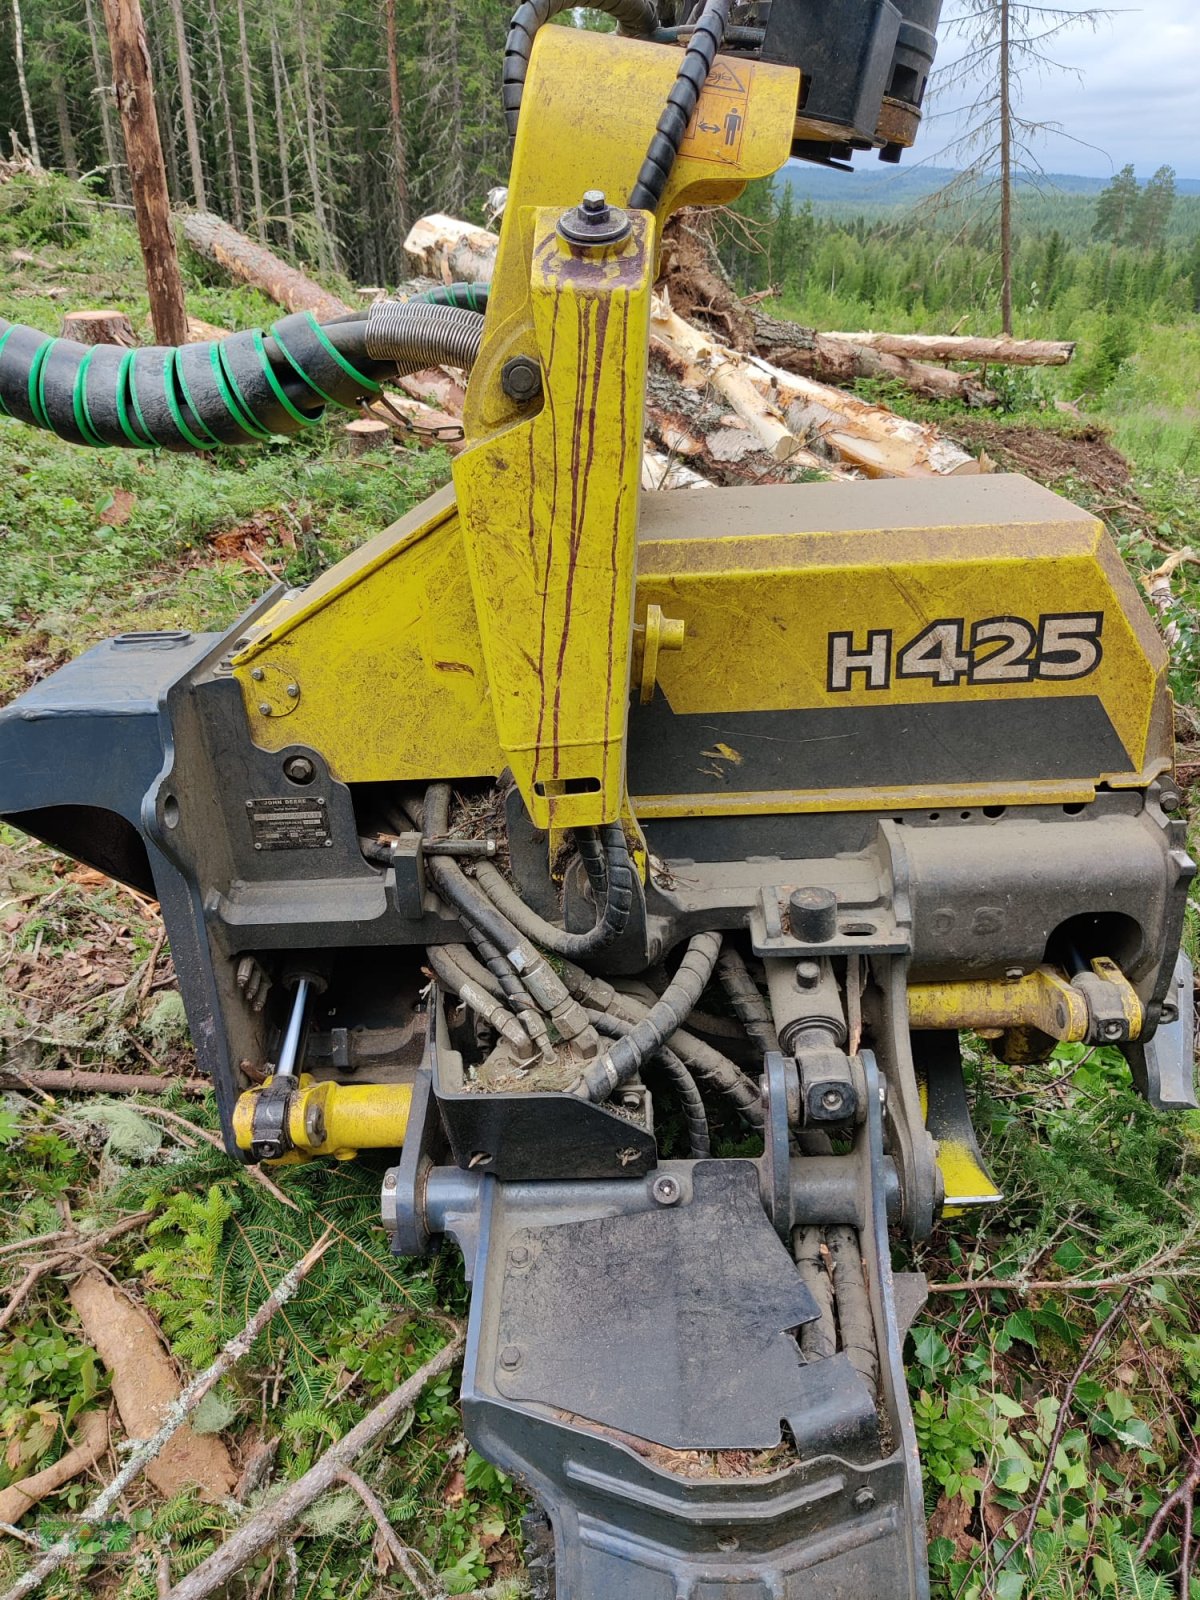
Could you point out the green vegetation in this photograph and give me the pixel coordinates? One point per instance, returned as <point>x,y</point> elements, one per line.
<point>1097,1186</point>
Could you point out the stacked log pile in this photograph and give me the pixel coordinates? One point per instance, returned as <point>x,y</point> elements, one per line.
<point>734,395</point>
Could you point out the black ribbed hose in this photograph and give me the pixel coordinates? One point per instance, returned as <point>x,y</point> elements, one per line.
<point>626,1056</point>
<point>239,390</point>
<point>747,1000</point>
<point>482,917</point>
<point>612,916</point>
<point>681,105</point>
<point>634,16</point>
<point>699,1138</point>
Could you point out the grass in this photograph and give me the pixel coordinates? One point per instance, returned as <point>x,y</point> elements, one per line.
<point>1096,1184</point>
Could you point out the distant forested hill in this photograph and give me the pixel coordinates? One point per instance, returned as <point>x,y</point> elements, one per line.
<point>1065,201</point>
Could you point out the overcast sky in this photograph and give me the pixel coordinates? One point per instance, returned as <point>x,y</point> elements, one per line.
<point>1139,98</point>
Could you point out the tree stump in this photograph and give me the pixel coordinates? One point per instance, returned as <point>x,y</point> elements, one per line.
<point>364,435</point>
<point>99,327</point>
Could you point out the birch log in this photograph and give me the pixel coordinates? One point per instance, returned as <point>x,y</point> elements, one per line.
<point>450,250</point>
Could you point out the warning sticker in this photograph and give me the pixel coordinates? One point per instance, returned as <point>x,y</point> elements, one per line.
<point>288,822</point>
<point>715,131</point>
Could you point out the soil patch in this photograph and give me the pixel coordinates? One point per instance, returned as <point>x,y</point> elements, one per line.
<point>1084,454</point>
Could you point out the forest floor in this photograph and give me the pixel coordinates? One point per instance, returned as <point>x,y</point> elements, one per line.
<point>1102,1195</point>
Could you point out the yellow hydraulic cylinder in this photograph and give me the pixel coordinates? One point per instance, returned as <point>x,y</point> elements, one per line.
<point>332,1119</point>
<point>1043,999</point>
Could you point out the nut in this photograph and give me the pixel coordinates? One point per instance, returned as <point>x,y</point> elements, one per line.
<point>519,1255</point>
<point>510,1357</point>
<point>864,1499</point>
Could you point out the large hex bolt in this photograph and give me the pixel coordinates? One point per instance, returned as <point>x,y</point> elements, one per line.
<point>521,379</point>
<point>594,222</point>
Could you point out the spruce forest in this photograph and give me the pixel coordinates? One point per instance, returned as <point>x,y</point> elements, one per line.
<point>1054,1373</point>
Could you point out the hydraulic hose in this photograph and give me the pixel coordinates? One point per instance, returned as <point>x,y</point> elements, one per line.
<point>702,47</point>
<point>239,390</point>
<point>635,16</point>
<point>746,998</point>
<point>494,1012</point>
<point>707,1065</point>
<point>535,973</point>
<point>699,1138</point>
<point>612,916</point>
<point>626,1056</point>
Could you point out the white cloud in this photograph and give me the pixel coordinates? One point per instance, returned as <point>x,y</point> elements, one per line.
<point>1138,98</point>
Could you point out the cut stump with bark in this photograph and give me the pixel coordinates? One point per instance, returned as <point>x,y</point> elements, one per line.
<point>99,327</point>
<point>365,434</point>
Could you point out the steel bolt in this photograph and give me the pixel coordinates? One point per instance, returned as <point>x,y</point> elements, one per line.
<point>299,769</point>
<point>864,1499</point>
<point>631,1102</point>
<point>1013,973</point>
<point>1112,1030</point>
<point>264,708</point>
<point>510,1356</point>
<point>1169,800</point>
<point>292,691</point>
<point>832,1100</point>
<point>808,974</point>
<point>595,203</point>
<point>521,379</point>
<point>666,1190</point>
<point>519,1255</point>
<point>389,1181</point>
<point>257,674</point>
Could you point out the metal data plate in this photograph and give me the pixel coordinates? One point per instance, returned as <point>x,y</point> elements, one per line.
<point>860,928</point>
<point>289,822</point>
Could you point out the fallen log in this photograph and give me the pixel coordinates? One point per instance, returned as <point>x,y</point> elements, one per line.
<point>60,1080</point>
<point>869,437</point>
<point>252,263</point>
<point>964,347</point>
<point>787,411</point>
<point>704,359</point>
<point>450,250</point>
<point>837,358</point>
<point>90,1445</point>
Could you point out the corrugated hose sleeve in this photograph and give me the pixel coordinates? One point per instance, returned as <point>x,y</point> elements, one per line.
<point>699,1137</point>
<point>681,104</point>
<point>625,1056</point>
<point>415,334</point>
<point>634,16</point>
<point>239,390</point>
<point>612,916</point>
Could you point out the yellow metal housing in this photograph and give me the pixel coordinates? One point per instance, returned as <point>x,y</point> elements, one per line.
<point>333,1119</point>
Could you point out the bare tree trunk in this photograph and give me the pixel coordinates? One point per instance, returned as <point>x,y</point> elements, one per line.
<point>1006,256</point>
<point>162,104</point>
<point>235,176</point>
<point>314,168</point>
<point>27,104</point>
<point>103,88</point>
<point>260,218</point>
<point>399,152</point>
<point>66,135</point>
<point>285,175</point>
<point>147,173</point>
<point>188,98</point>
